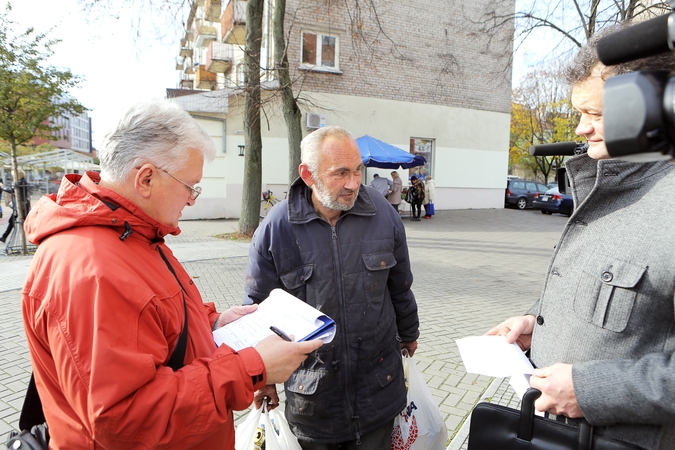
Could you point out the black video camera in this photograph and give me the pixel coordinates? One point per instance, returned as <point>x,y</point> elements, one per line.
<point>639,107</point>
<point>560,149</point>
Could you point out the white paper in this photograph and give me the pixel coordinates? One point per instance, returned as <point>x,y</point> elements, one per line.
<point>282,310</point>
<point>492,356</point>
<point>520,383</point>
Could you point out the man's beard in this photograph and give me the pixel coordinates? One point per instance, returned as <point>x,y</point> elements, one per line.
<point>327,201</point>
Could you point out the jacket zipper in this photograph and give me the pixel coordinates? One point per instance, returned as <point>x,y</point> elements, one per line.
<point>345,356</point>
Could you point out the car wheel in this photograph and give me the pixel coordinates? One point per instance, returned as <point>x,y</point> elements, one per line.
<point>522,203</point>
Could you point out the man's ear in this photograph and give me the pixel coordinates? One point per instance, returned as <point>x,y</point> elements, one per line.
<point>145,180</point>
<point>305,174</point>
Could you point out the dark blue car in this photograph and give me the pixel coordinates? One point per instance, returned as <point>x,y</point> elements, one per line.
<point>553,201</point>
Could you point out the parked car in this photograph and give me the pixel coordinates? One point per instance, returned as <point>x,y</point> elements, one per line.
<point>552,185</point>
<point>520,193</point>
<point>552,201</point>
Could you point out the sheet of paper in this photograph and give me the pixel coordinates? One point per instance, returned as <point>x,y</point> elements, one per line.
<point>280,309</point>
<point>492,356</point>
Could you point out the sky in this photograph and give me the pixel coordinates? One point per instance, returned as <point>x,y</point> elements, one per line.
<point>117,70</point>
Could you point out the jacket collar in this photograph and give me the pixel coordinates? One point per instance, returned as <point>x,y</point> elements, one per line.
<point>587,174</point>
<point>301,209</point>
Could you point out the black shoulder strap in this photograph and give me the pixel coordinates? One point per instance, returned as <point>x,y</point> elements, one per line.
<point>31,412</point>
<point>178,356</point>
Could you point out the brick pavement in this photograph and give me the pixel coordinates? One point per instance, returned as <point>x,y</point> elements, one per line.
<point>472,269</point>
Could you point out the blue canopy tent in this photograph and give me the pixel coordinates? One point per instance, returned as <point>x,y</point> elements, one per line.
<point>375,153</point>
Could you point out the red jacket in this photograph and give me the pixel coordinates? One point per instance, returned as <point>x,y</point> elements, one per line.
<point>102,316</point>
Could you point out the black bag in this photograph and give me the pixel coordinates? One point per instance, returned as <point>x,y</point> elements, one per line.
<point>498,427</point>
<point>35,439</point>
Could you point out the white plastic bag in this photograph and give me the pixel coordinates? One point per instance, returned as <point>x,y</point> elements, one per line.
<point>265,429</point>
<point>420,425</point>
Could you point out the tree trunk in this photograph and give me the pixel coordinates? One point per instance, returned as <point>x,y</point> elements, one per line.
<point>250,202</point>
<point>18,201</point>
<point>291,111</point>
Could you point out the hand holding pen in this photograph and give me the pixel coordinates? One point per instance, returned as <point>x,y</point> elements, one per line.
<point>285,337</point>
<point>282,358</point>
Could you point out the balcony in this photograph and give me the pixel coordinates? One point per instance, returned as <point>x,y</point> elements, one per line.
<point>188,66</point>
<point>233,22</point>
<point>219,57</point>
<point>187,81</point>
<point>204,79</point>
<point>212,10</point>
<point>204,32</point>
<point>185,52</point>
<point>179,63</point>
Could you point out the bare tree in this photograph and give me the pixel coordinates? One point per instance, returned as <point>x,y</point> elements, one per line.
<point>290,108</point>
<point>568,22</point>
<point>541,114</point>
<point>250,202</point>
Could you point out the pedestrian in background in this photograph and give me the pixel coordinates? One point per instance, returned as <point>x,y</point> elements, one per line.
<point>394,196</point>
<point>416,197</point>
<point>381,185</point>
<point>25,193</point>
<point>341,248</point>
<point>429,197</point>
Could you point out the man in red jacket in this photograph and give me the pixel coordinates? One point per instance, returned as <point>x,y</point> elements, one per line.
<point>105,302</point>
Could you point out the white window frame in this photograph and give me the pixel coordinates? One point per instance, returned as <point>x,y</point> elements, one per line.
<point>319,37</point>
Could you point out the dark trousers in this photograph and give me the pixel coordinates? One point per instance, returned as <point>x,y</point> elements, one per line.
<point>379,439</point>
<point>10,227</point>
<point>417,209</point>
<point>395,206</point>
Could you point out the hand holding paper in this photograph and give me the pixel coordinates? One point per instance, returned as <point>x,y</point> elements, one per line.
<point>282,310</point>
<point>492,356</point>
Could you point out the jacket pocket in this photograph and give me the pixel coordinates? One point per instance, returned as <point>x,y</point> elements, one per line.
<point>606,293</point>
<point>304,383</point>
<point>377,273</point>
<point>295,280</point>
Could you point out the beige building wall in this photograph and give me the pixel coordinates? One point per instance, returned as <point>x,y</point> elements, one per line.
<point>469,161</point>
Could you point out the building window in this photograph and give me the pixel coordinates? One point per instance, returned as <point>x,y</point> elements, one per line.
<point>320,51</point>
<point>241,75</point>
<point>423,147</point>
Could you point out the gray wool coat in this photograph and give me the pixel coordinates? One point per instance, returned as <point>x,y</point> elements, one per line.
<point>607,306</point>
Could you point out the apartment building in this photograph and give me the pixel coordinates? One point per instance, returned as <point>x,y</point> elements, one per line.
<point>419,74</point>
<point>74,133</point>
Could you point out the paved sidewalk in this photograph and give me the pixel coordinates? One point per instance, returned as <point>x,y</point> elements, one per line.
<point>472,269</point>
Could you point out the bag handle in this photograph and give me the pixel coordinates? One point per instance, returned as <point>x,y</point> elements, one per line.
<point>526,424</point>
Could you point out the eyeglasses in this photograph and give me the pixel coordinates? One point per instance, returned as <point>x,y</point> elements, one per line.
<point>194,191</point>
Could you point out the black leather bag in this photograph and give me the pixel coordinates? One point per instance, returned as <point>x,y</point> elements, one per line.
<point>35,439</point>
<point>496,427</point>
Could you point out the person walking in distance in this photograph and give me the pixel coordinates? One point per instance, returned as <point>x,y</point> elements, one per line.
<point>394,196</point>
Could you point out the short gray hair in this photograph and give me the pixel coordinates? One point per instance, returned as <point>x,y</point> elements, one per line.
<point>159,132</point>
<point>586,60</point>
<point>310,147</point>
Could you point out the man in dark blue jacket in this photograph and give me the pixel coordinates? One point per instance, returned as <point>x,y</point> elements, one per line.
<point>340,247</point>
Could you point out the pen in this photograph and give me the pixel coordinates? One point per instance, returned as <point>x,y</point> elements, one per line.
<point>285,337</point>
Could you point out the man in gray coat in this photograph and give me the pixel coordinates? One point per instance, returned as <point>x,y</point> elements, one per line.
<point>340,247</point>
<point>603,331</point>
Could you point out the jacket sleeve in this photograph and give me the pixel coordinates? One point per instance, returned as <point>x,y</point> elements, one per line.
<point>627,391</point>
<point>261,273</point>
<point>133,399</point>
<point>399,284</point>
